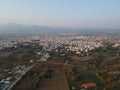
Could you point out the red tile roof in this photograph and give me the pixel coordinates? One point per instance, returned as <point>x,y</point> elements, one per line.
<point>89,85</point>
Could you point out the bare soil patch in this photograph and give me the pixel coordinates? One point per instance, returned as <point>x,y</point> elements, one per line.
<point>56,82</point>
<point>77,58</point>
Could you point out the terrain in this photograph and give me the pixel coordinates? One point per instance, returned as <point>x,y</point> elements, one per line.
<point>62,70</point>
<point>44,76</point>
<point>14,28</point>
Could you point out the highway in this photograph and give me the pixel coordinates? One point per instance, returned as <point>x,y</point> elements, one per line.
<point>43,58</point>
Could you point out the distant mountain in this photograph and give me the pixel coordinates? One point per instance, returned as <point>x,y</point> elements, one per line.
<point>18,28</point>
<point>14,28</point>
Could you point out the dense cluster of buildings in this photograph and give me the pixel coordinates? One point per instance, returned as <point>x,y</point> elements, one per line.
<point>75,43</point>
<point>16,74</point>
<point>70,42</point>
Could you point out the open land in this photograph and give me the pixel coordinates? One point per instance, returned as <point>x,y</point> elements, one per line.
<point>56,81</point>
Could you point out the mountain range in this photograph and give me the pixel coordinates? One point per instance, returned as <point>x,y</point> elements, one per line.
<point>13,28</point>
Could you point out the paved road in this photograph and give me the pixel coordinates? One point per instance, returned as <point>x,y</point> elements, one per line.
<point>19,78</point>
<point>27,69</point>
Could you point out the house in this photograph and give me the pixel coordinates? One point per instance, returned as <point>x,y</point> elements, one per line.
<point>89,85</point>
<point>35,41</point>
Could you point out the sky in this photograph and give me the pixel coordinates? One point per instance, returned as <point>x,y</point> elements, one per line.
<point>65,13</point>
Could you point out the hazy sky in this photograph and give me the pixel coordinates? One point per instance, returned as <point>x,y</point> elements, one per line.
<point>68,13</point>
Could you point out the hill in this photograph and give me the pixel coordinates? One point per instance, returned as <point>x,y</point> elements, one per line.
<point>13,28</point>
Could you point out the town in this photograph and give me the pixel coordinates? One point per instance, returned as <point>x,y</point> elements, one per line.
<point>70,42</point>
<point>80,57</point>
<point>59,44</point>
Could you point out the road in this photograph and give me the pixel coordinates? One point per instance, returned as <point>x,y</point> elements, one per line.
<point>43,58</point>
<point>19,78</point>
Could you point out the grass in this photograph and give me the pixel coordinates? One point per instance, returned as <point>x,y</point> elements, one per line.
<point>96,79</point>
<point>111,60</point>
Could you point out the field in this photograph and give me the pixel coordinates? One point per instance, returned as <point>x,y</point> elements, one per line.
<point>57,82</point>
<point>36,78</point>
<point>77,58</point>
